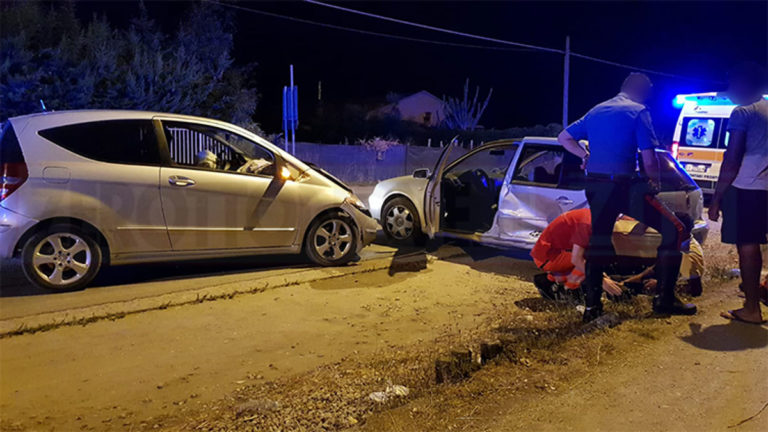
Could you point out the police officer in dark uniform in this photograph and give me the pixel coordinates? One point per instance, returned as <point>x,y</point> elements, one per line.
<point>616,129</point>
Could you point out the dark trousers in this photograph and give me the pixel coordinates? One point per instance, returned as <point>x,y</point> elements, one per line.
<point>633,197</point>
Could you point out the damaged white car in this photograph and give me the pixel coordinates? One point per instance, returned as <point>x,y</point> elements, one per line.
<point>506,192</point>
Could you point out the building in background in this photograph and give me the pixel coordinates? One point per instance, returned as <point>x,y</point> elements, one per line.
<point>422,107</point>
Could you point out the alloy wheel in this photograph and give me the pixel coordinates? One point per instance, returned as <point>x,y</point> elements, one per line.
<point>333,239</point>
<point>62,259</point>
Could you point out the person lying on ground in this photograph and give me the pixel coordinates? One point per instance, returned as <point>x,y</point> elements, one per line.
<point>691,270</point>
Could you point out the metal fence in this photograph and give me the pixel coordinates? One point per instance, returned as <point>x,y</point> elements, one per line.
<point>185,144</point>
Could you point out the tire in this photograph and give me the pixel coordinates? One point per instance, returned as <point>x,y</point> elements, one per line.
<point>332,240</point>
<point>61,257</point>
<point>401,223</point>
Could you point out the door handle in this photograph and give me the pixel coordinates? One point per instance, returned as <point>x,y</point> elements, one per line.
<point>180,181</point>
<point>564,201</point>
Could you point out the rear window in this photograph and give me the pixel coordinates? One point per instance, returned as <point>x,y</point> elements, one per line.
<point>10,150</point>
<point>116,141</point>
<point>704,132</point>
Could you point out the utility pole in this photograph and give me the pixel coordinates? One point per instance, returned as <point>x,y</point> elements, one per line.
<point>566,78</point>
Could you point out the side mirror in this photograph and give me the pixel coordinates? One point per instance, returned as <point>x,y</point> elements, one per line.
<point>421,173</point>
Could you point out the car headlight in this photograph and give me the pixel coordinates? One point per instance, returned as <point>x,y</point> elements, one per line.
<point>355,201</point>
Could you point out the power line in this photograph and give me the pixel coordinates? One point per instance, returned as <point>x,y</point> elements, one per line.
<point>438,29</point>
<point>501,41</point>
<point>365,32</point>
<point>638,69</point>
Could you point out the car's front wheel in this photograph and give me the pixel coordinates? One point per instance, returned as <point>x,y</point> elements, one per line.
<point>331,240</point>
<point>401,222</point>
<point>61,257</point>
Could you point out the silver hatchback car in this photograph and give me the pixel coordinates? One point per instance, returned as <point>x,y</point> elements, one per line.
<point>81,189</point>
<point>506,192</point>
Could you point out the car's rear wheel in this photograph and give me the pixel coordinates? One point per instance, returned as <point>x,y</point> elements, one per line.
<point>61,257</point>
<point>331,240</point>
<point>401,222</point>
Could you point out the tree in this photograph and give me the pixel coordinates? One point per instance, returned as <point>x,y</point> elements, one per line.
<point>97,66</point>
<point>463,114</point>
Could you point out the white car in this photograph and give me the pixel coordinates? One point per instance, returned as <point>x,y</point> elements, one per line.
<point>506,192</point>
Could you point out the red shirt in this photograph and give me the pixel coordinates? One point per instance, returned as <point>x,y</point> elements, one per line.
<point>568,229</point>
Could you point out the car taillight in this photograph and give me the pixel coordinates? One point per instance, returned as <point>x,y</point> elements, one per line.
<point>13,176</point>
<point>675,149</point>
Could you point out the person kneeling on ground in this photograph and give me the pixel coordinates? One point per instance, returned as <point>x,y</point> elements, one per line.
<point>559,251</point>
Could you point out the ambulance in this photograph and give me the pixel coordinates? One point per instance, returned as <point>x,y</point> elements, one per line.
<point>701,135</point>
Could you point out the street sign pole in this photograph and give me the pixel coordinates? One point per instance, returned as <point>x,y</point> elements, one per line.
<point>566,77</point>
<point>285,118</point>
<point>294,117</point>
<point>290,114</point>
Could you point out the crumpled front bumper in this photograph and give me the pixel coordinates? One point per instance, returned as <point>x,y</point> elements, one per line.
<point>367,226</point>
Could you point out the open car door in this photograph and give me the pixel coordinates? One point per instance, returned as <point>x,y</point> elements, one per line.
<point>432,193</point>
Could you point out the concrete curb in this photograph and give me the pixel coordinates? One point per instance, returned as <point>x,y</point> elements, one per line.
<point>119,309</point>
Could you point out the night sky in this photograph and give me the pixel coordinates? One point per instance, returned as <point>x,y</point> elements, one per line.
<point>697,39</point>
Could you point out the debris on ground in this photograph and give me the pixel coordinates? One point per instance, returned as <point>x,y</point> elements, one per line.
<point>391,392</point>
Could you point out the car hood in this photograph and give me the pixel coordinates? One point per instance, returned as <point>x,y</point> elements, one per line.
<point>403,182</point>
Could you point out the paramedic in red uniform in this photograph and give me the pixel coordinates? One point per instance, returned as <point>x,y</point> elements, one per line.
<point>560,249</point>
<point>616,130</point>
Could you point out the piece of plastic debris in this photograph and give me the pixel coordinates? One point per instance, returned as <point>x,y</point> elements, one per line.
<point>398,390</point>
<point>390,392</point>
<point>380,397</point>
<point>580,308</point>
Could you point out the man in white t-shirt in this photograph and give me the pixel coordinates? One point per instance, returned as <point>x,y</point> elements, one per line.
<point>742,189</point>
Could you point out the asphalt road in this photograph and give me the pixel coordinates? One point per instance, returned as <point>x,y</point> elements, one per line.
<point>122,283</point>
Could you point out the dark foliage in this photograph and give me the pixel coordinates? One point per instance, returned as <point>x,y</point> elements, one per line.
<point>46,53</point>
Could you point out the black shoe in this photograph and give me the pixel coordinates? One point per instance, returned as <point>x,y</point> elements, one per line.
<point>694,287</point>
<point>545,286</point>
<point>592,313</point>
<point>674,307</point>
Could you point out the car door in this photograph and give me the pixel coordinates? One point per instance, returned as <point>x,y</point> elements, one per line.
<point>471,187</point>
<point>113,183</point>
<point>432,194</point>
<point>545,183</point>
<point>212,200</point>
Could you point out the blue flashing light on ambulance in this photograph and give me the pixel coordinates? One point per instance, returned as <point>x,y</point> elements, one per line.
<point>701,135</point>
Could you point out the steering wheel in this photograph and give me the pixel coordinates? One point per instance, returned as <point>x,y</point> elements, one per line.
<point>222,163</point>
<point>454,180</point>
<point>483,176</point>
